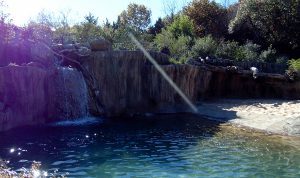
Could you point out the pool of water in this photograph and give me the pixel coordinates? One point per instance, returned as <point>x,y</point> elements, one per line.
<point>179,145</point>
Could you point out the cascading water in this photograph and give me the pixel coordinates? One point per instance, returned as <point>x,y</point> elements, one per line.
<point>74,90</point>
<point>66,110</point>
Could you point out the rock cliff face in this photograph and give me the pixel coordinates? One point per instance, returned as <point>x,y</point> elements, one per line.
<point>123,82</point>
<point>32,95</point>
<point>129,84</point>
<point>22,96</point>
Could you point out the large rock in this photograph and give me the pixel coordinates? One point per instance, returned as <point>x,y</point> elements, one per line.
<point>100,45</point>
<point>42,53</point>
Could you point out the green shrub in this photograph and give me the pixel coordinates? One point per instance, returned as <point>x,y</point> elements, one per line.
<point>227,49</point>
<point>182,25</point>
<point>251,51</point>
<point>294,65</point>
<point>203,47</point>
<point>282,60</point>
<point>179,47</point>
<point>268,55</point>
<point>232,50</point>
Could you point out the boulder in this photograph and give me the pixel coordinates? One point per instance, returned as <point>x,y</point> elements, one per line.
<point>42,53</point>
<point>100,45</point>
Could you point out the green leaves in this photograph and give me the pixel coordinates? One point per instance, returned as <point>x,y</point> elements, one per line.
<point>208,17</point>
<point>178,38</point>
<point>136,16</point>
<point>294,65</point>
<point>271,22</point>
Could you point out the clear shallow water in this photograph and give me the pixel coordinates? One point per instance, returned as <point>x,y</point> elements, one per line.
<point>158,146</point>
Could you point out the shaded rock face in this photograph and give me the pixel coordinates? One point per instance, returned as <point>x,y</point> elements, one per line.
<point>129,84</point>
<point>100,45</point>
<point>22,96</point>
<point>32,95</point>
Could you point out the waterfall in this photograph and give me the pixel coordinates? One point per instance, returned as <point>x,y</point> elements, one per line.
<point>74,93</point>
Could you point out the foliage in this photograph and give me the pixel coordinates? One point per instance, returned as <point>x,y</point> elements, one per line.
<point>5,26</point>
<point>121,40</point>
<point>204,47</point>
<point>208,46</point>
<point>39,32</point>
<point>179,47</point>
<point>86,32</point>
<point>247,52</point>
<point>294,65</point>
<point>209,18</point>
<point>271,22</point>
<point>268,55</point>
<point>181,25</point>
<point>58,24</point>
<point>227,49</point>
<point>178,37</point>
<point>137,17</point>
<point>90,18</point>
<point>158,26</point>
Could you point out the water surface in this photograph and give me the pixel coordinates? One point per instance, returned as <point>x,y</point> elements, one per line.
<point>179,145</point>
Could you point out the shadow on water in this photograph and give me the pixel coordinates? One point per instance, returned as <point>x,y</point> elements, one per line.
<point>170,145</point>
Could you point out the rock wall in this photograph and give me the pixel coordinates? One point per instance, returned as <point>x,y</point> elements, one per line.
<point>22,96</point>
<point>129,84</point>
<point>32,95</point>
<point>123,82</point>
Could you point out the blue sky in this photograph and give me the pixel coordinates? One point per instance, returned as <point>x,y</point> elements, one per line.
<point>22,10</point>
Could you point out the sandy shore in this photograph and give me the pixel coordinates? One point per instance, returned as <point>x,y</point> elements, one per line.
<point>274,116</point>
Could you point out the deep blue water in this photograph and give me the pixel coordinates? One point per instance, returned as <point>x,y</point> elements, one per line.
<point>180,145</point>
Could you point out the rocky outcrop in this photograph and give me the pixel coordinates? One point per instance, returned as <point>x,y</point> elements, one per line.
<point>100,45</point>
<point>32,95</point>
<point>129,83</point>
<point>22,96</point>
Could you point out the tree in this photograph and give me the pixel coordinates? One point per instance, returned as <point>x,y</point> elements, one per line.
<point>59,24</point>
<point>158,26</point>
<point>90,18</point>
<point>137,17</point>
<point>208,17</point>
<point>177,46</point>
<point>270,22</point>
<point>4,23</point>
<point>177,37</point>
<point>182,25</point>
<point>87,30</point>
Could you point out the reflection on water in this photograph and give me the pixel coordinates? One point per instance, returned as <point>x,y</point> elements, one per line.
<point>158,146</point>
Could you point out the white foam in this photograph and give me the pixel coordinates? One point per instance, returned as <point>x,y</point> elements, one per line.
<point>79,121</point>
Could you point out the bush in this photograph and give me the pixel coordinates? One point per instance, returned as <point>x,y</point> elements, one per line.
<point>294,65</point>
<point>227,49</point>
<point>203,47</point>
<point>282,60</point>
<point>209,17</point>
<point>182,25</point>
<point>232,50</point>
<point>179,47</point>
<point>247,52</point>
<point>268,55</point>
<point>269,22</point>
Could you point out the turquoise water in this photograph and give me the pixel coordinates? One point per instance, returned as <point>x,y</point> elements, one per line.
<point>179,145</point>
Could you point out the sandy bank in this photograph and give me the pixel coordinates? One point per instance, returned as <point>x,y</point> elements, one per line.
<point>274,116</point>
